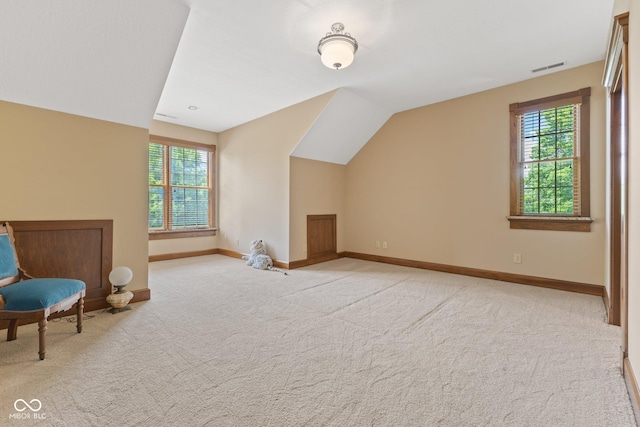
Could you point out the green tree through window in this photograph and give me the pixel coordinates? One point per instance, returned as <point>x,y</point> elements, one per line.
<point>189,187</point>
<point>156,186</point>
<point>548,158</point>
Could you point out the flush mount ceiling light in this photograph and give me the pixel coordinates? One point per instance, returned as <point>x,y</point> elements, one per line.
<point>337,48</point>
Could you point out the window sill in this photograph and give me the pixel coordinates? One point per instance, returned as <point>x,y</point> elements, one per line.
<point>557,223</point>
<point>181,234</point>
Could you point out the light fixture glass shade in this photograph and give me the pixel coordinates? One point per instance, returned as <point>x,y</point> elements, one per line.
<point>337,48</point>
<point>337,54</point>
<point>120,276</point>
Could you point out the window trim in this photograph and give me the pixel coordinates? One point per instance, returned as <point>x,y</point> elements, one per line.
<point>187,232</point>
<point>560,222</point>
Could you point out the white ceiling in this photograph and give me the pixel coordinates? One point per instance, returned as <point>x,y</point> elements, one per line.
<point>238,60</point>
<point>102,59</point>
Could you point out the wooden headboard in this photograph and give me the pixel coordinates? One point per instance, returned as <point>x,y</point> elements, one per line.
<point>75,249</point>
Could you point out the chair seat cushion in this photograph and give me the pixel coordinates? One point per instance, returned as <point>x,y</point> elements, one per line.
<point>38,294</point>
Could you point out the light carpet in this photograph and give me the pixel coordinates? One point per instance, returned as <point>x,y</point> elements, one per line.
<point>343,343</point>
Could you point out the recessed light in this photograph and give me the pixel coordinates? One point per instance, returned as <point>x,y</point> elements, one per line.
<point>192,107</point>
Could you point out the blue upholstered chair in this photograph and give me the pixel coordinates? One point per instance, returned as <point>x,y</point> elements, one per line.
<point>25,299</point>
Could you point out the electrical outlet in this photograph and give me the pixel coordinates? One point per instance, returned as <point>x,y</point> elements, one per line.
<point>237,242</point>
<point>378,244</point>
<point>384,245</point>
<point>517,258</point>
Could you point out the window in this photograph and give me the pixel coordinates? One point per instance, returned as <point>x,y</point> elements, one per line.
<point>550,163</point>
<point>180,188</point>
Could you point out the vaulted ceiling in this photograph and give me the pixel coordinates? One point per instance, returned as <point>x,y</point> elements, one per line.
<point>236,60</point>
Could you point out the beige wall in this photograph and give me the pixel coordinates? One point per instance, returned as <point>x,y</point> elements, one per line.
<point>434,184</point>
<point>194,244</point>
<point>254,178</point>
<point>634,185</point>
<point>58,166</point>
<point>317,188</point>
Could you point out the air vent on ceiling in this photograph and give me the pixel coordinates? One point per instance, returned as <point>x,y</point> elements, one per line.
<point>166,115</point>
<point>548,67</point>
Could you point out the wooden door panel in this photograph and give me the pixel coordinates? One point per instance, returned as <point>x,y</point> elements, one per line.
<point>321,235</point>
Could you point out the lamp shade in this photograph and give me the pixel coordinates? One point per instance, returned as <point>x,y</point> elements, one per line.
<point>337,53</point>
<point>120,276</point>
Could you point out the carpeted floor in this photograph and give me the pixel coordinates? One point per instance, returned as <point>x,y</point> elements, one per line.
<point>344,343</point>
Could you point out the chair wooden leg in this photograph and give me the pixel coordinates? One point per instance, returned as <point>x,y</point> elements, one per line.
<point>42,328</point>
<point>79,315</point>
<point>12,330</point>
